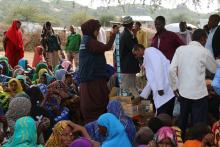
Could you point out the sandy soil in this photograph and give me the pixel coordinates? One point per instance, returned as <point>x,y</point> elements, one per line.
<point>29,56</point>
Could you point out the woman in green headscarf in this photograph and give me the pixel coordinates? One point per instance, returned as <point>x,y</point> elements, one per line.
<point>6,66</point>
<point>38,68</point>
<point>25,134</point>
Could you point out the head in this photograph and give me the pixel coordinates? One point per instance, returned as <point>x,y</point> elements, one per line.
<point>128,22</point>
<point>18,25</point>
<point>62,135</point>
<point>160,23</point>
<point>59,74</point>
<point>137,25</point>
<point>138,50</point>
<point>43,79</point>
<point>213,21</point>
<point>155,124</point>
<point>1,69</point>
<point>68,79</point>
<point>110,126</point>
<point>72,29</point>
<point>15,85</point>
<point>198,131</point>
<point>4,65</point>
<point>165,137</point>
<point>22,80</point>
<point>91,28</point>
<point>183,26</point>
<point>144,136</point>
<point>48,25</point>
<point>200,36</point>
<point>166,119</point>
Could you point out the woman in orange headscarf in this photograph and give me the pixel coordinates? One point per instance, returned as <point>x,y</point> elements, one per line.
<point>13,43</point>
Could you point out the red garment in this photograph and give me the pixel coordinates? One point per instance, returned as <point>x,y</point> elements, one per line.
<point>38,57</point>
<point>169,42</point>
<point>14,45</point>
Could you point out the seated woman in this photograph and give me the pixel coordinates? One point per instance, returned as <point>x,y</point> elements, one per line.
<point>83,142</point>
<point>40,66</point>
<point>72,87</point>
<point>14,88</point>
<point>3,78</point>
<point>113,130</point>
<point>6,67</point>
<point>59,74</point>
<point>27,68</point>
<point>114,107</point>
<point>166,136</point>
<point>38,56</point>
<point>24,135</point>
<point>64,133</point>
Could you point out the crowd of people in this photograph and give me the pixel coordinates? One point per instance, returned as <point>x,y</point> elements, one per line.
<point>52,104</point>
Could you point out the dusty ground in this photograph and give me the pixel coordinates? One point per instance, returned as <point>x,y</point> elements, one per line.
<point>30,55</point>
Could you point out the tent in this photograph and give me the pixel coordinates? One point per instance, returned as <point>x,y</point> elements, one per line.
<point>174,27</point>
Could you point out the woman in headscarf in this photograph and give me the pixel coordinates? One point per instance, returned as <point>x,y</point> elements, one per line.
<point>25,134</point>
<point>59,74</point>
<point>216,132</point>
<point>54,99</point>
<point>166,136</point>
<point>81,142</point>
<point>18,107</point>
<point>144,136</point>
<point>38,56</point>
<point>64,132</point>
<point>114,131</point>
<point>6,67</point>
<point>92,71</point>
<point>13,43</point>
<point>114,107</point>
<point>66,65</point>
<point>38,68</point>
<point>3,78</point>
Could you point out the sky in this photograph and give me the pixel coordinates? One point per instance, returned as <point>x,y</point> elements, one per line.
<point>203,8</point>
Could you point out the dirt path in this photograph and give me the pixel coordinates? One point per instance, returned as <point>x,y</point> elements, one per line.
<point>30,55</point>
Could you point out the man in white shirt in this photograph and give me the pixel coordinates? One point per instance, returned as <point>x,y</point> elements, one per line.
<point>157,72</point>
<point>213,43</point>
<point>188,68</point>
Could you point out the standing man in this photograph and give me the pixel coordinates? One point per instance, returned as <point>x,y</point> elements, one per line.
<point>72,46</point>
<point>213,43</point>
<point>157,72</point>
<point>188,68</point>
<point>141,34</point>
<point>129,64</point>
<point>184,34</point>
<point>166,41</point>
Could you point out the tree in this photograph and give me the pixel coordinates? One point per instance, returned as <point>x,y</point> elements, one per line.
<point>105,19</point>
<point>79,18</point>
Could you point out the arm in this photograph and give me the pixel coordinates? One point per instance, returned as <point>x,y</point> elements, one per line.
<point>173,72</point>
<point>210,62</point>
<point>78,128</point>
<point>98,47</point>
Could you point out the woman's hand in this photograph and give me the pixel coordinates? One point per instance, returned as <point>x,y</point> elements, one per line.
<point>78,128</point>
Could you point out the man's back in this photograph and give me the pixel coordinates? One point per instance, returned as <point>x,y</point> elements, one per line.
<point>191,62</point>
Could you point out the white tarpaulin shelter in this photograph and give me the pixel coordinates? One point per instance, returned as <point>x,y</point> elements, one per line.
<point>174,27</point>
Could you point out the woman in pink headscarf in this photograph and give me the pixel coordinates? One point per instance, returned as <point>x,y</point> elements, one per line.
<point>13,43</point>
<point>38,56</point>
<point>66,65</point>
<point>166,136</point>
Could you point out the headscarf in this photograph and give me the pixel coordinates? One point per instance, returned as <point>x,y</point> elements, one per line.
<point>5,60</point>
<point>21,77</point>
<point>216,132</point>
<point>59,74</point>
<point>25,134</point>
<point>116,136</point>
<point>115,108</point>
<point>37,56</point>
<point>19,87</point>
<point>18,107</point>
<point>23,63</point>
<point>166,132</point>
<point>18,71</point>
<point>89,27</point>
<point>66,64</point>
<point>55,138</point>
<point>81,142</point>
<point>56,93</point>
<point>38,68</point>
<point>42,71</point>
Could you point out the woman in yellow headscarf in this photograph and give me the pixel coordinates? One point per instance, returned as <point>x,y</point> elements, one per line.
<point>63,134</point>
<point>14,88</point>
